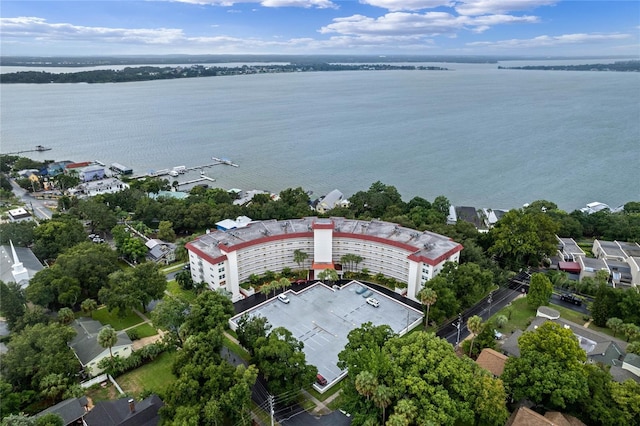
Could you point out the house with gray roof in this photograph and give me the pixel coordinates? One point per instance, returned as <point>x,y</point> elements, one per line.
<point>125,412</point>
<point>87,349</point>
<point>332,200</point>
<point>160,251</point>
<point>71,410</point>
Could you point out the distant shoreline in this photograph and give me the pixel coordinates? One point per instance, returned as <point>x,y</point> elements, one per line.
<point>148,73</point>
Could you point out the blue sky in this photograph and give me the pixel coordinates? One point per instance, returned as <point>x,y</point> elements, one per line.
<point>420,27</point>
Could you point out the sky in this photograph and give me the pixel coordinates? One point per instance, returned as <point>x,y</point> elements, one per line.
<point>380,27</point>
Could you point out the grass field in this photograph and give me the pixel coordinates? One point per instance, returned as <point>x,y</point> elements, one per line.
<point>145,330</point>
<point>174,289</point>
<point>118,323</point>
<point>155,376</point>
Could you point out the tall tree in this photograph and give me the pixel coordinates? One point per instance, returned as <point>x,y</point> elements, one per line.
<point>54,236</point>
<point>540,291</point>
<point>133,288</point>
<point>250,329</point>
<point>170,315</point>
<point>107,338</point>
<point>282,362</point>
<point>523,239</point>
<point>209,310</point>
<point>300,257</point>
<point>36,352</point>
<point>475,325</point>
<point>550,369</point>
<point>615,324</point>
<point>428,297</point>
<point>12,302</point>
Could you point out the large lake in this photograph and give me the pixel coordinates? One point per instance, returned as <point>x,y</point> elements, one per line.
<point>480,136</point>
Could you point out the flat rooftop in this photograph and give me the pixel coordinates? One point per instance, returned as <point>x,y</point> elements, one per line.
<point>321,317</point>
<point>427,244</point>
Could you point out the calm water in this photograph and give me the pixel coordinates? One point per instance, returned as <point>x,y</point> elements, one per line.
<point>481,136</point>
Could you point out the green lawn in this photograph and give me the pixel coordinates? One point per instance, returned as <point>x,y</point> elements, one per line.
<point>237,349</point>
<point>174,289</point>
<point>521,315</point>
<point>145,330</point>
<point>173,268</point>
<point>118,323</point>
<point>155,376</point>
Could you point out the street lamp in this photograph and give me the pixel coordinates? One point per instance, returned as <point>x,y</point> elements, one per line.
<point>458,325</point>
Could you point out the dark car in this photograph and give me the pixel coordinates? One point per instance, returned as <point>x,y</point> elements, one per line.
<point>571,298</point>
<point>321,380</point>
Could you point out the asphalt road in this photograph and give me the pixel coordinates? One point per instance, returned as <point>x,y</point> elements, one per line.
<point>485,308</point>
<point>38,207</point>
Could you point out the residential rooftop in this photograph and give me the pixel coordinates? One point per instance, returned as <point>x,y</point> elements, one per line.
<point>423,244</point>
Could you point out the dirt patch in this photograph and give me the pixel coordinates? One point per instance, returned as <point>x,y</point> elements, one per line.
<point>141,343</point>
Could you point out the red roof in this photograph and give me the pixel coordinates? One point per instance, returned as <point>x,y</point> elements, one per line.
<point>569,267</point>
<point>77,165</point>
<point>317,266</point>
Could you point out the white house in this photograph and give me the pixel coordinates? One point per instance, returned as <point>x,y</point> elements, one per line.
<point>224,260</point>
<point>330,201</point>
<point>87,349</point>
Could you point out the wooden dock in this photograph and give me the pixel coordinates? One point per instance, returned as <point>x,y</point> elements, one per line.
<point>165,172</point>
<point>200,179</point>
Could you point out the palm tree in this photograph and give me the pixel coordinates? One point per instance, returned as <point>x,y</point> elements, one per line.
<point>382,398</point>
<point>366,384</point>
<point>300,257</point>
<point>66,316</point>
<point>274,285</point>
<point>283,283</point>
<point>428,297</point>
<point>501,320</point>
<point>107,337</point>
<point>88,306</point>
<point>474,324</point>
<point>615,324</point>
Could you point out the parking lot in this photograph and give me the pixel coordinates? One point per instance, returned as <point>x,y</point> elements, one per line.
<point>321,317</point>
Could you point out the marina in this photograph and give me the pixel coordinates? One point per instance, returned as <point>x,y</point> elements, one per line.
<point>178,170</point>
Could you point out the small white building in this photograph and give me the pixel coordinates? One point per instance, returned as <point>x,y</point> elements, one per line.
<point>19,215</point>
<point>330,201</point>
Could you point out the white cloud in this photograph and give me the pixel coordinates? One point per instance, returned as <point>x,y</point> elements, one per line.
<point>39,28</point>
<point>397,23</point>
<point>319,4</point>
<point>425,24</point>
<point>551,41</point>
<point>410,5</point>
<point>485,7</point>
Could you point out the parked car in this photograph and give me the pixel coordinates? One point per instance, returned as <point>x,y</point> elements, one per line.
<point>571,298</point>
<point>187,266</point>
<point>283,298</point>
<point>298,282</point>
<point>373,302</point>
<point>321,380</point>
<point>497,335</point>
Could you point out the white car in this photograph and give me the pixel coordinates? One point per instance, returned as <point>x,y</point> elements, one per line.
<point>373,302</point>
<point>283,298</point>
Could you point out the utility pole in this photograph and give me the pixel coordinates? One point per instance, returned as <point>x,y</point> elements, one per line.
<point>458,325</point>
<point>271,410</point>
<point>490,300</point>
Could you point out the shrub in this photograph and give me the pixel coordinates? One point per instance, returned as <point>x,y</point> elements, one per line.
<point>133,334</point>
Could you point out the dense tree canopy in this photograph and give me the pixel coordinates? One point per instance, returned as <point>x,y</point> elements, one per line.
<point>36,352</point>
<point>551,368</point>
<point>54,236</point>
<point>523,238</point>
<point>133,288</point>
<point>418,379</point>
<point>540,291</point>
<point>280,359</point>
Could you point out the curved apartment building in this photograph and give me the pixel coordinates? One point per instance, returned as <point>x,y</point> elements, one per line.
<point>225,259</point>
